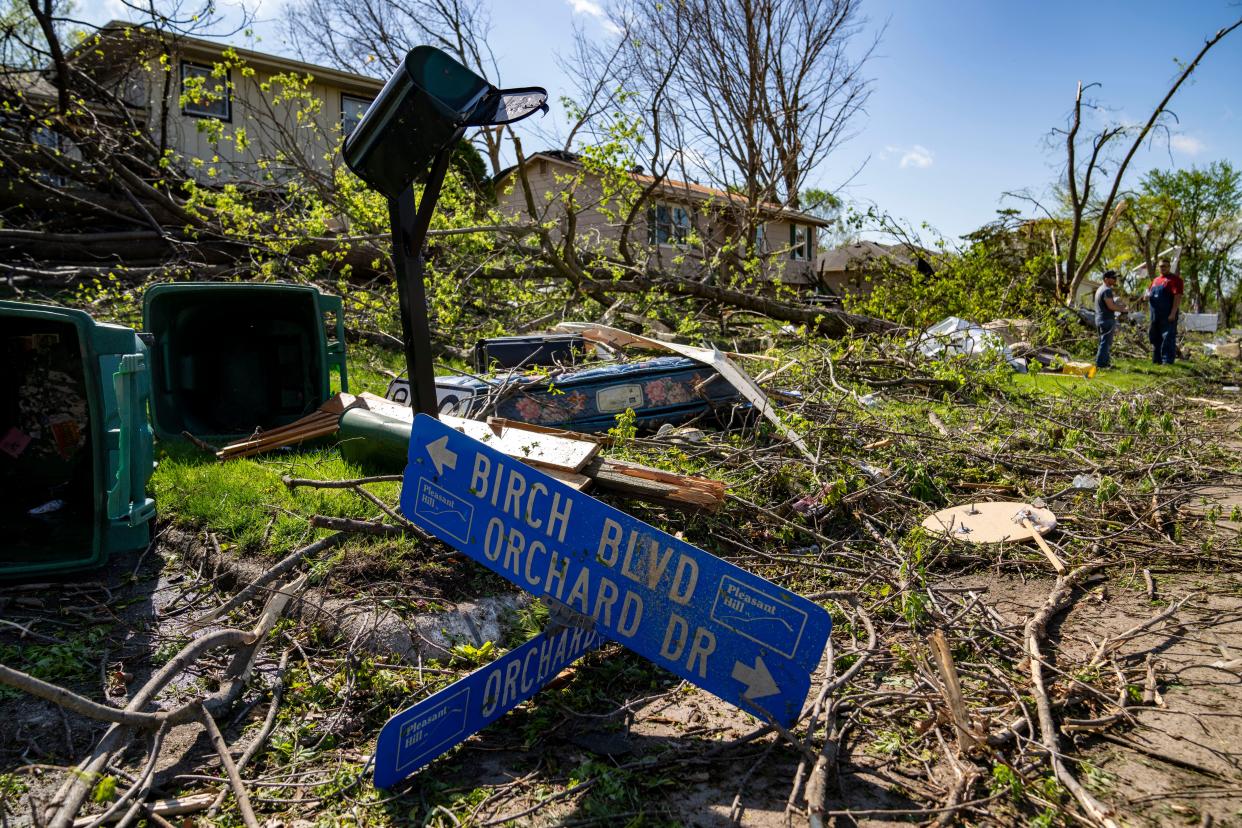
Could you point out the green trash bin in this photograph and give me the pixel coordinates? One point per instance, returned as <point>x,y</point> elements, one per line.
<point>229,358</point>
<point>75,445</point>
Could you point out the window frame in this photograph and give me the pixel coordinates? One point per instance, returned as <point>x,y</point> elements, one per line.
<point>358,99</point>
<point>799,250</point>
<point>672,238</point>
<point>228,93</point>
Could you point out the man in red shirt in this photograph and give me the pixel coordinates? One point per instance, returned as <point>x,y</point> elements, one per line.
<point>1164,300</point>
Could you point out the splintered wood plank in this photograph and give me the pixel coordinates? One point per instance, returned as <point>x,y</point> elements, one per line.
<point>656,486</point>
<point>292,438</point>
<point>388,408</point>
<point>577,481</point>
<point>560,450</point>
<point>503,422</point>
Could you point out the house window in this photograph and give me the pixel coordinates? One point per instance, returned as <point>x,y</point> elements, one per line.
<point>204,94</point>
<point>352,110</point>
<point>799,243</point>
<point>761,239</point>
<point>49,138</point>
<point>667,224</point>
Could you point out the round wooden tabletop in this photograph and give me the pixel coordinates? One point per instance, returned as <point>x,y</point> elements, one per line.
<point>991,522</point>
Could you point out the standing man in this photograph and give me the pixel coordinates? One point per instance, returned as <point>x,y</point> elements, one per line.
<point>1106,309</point>
<point>1164,300</point>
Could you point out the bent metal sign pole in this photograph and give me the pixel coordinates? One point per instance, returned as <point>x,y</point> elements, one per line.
<point>406,136</point>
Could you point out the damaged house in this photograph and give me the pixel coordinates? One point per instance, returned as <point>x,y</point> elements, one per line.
<point>683,226</point>
<point>230,114</point>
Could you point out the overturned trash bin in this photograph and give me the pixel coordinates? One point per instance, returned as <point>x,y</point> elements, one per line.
<point>75,446</point>
<point>232,358</point>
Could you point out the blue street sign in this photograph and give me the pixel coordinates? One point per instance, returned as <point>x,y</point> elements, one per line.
<point>418,734</point>
<point>743,638</point>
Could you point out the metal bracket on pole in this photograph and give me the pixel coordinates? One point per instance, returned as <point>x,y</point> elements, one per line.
<point>409,232</point>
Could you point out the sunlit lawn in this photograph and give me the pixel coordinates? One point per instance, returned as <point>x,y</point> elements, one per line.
<point>1126,375</point>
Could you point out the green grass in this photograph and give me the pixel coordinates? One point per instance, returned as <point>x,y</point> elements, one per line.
<point>244,501</point>
<point>238,499</point>
<point>1128,375</point>
<point>371,368</point>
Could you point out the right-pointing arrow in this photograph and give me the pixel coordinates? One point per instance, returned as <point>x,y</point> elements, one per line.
<point>758,680</point>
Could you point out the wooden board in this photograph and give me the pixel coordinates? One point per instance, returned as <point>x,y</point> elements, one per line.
<point>577,481</point>
<point>543,450</point>
<point>990,522</point>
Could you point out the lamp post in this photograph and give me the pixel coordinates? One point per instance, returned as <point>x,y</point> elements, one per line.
<point>406,136</point>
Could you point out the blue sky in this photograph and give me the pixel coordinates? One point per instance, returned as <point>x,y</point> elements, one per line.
<point>965,92</point>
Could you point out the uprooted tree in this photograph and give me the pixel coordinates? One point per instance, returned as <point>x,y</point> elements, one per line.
<point>92,136</point>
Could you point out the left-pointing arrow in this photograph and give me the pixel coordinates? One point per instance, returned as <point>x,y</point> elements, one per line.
<point>441,456</point>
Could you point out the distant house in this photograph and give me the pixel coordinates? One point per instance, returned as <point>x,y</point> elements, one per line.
<point>225,121</point>
<point>677,213</point>
<point>850,267</point>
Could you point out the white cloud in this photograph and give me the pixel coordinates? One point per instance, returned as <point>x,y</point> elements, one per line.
<point>917,156</point>
<point>1186,144</point>
<point>590,8</point>
<point>587,7</point>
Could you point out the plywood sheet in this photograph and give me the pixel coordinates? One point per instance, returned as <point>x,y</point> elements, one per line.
<point>545,450</point>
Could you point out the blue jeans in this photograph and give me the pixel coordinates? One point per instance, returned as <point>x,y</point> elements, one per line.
<point>1163,337</point>
<point>1103,356</point>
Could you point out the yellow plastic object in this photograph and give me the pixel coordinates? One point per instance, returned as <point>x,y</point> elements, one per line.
<point>1082,369</point>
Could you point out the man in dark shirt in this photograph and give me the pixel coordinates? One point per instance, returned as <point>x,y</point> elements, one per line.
<point>1164,300</point>
<point>1106,309</point>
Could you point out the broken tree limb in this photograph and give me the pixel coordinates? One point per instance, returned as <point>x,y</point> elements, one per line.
<point>364,527</point>
<point>73,791</point>
<point>1035,631</point>
<point>226,759</point>
<point>284,565</point>
<point>269,724</point>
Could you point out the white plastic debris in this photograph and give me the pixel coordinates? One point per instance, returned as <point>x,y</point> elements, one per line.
<point>954,335</point>
<point>1085,482</point>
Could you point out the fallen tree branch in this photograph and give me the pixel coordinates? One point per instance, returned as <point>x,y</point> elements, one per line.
<point>1035,631</point>
<point>235,781</point>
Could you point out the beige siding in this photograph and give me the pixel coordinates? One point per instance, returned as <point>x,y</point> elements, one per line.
<point>551,183</point>
<point>271,129</point>
<point>551,179</point>
<point>778,260</point>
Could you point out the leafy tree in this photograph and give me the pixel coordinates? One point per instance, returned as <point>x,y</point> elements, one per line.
<point>1002,271</point>
<point>1205,205</point>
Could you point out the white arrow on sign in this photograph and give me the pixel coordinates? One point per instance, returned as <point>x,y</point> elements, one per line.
<point>441,457</point>
<point>758,680</point>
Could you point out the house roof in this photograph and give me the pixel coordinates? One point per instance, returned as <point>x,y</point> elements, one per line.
<point>687,190</point>
<point>857,255</point>
<point>190,46</point>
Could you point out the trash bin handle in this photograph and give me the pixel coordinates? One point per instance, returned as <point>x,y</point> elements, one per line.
<point>126,384</point>
<point>336,350</point>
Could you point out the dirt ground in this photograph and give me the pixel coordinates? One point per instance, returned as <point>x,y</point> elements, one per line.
<point>1178,761</point>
